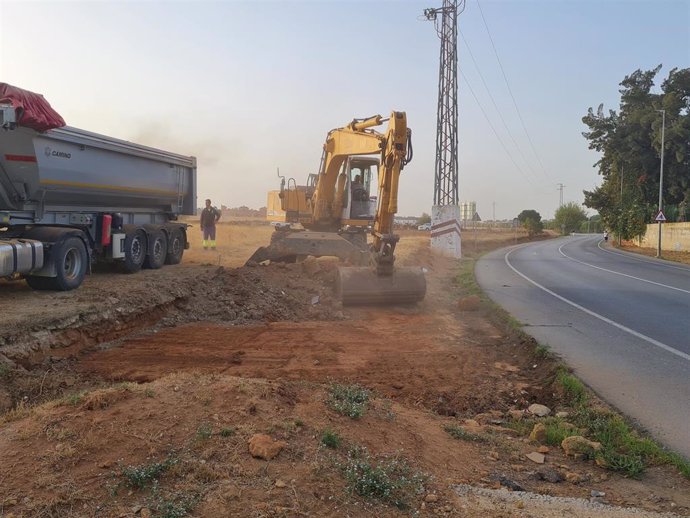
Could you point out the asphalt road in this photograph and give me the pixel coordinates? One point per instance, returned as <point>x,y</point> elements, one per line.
<point>622,321</point>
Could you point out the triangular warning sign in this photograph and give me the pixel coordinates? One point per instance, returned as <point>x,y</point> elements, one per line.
<point>660,216</point>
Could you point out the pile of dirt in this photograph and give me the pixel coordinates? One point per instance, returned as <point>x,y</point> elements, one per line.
<point>39,353</point>
<point>263,293</point>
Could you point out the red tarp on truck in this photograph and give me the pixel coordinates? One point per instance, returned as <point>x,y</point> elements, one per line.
<point>32,110</point>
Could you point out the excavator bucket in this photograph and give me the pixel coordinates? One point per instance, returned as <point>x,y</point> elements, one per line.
<point>362,286</point>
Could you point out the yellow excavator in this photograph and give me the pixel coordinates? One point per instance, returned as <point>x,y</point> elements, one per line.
<point>335,211</point>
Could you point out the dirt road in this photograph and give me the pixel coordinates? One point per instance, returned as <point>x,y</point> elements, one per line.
<point>151,413</point>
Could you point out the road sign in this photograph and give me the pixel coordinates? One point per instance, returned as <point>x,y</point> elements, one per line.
<point>660,217</point>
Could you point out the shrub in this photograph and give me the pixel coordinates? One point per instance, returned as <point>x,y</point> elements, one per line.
<point>390,480</point>
<point>349,400</point>
<point>330,439</point>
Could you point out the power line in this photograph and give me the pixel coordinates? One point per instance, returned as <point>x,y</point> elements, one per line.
<point>511,91</point>
<point>493,101</point>
<point>462,74</point>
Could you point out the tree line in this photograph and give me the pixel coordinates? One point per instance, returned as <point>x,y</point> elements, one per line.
<point>629,141</point>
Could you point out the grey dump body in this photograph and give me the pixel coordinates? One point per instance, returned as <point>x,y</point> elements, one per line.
<point>68,170</point>
<point>108,193</point>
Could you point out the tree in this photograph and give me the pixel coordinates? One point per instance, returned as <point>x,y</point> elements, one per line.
<point>531,221</point>
<point>569,217</point>
<point>629,142</point>
<point>423,219</point>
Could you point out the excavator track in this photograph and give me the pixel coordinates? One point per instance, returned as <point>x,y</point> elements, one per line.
<point>362,286</point>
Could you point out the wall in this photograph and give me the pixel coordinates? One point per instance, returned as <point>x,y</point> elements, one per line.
<point>674,236</point>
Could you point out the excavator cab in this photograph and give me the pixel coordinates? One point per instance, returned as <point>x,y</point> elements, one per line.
<point>359,206</point>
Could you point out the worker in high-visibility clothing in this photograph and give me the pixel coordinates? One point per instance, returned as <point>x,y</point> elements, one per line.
<point>209,217</point>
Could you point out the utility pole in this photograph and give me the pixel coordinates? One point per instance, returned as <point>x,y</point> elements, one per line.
<point>493,214</point>
<point>661,177</point>
<point>620,220</point>
<point>560,188</point>
<point>445,213</point>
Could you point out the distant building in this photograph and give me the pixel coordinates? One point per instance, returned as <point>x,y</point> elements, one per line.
<point>405,221</point>
<point>467,211</point>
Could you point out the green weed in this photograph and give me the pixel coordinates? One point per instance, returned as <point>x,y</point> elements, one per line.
<point>330,439</point>
<point>349,400</point>
<point>573,389</point>
<point>173,506</point>
<point>542,352</point>
<point>391,480</point>
<point>458,433</point>
<point>75,399</point>
<point>204,431</point>
<point>138,477</point>
<point>227,432</point>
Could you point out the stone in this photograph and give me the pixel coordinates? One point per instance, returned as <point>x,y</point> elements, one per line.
<point>493,455</point>
<point>145,512</point>
<point>562,414</point>
<point>506,482</point>
<point>538,433</point>
<point>578,446</point>
<point>470,303</point>
<point>539,410</point>
<point>431,497</point>
<point>543,449</point>
<point>536,457</point>
<point>516,414</point>
<point>597,494</point>
<point>280,483</point>
<point>575,478</point>
<point>263,446</point>
<point>550,475</point>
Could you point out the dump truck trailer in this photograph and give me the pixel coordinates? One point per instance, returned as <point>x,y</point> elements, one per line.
<point>70,198</point>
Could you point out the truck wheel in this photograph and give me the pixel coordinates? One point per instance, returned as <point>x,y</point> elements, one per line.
<point>71,261</point>
<point>176,244</point>
<point>157,251</point>
<point>135,251</point>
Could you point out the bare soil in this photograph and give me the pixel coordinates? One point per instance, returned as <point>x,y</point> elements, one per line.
<point>181,366</point>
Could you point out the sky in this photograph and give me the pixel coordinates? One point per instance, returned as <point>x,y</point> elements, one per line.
<point>250,87</point>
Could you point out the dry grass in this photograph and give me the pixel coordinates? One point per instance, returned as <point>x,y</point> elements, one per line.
<point>670,255</point>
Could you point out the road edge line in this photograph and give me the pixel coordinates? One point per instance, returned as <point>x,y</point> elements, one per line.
<point>646,338</point>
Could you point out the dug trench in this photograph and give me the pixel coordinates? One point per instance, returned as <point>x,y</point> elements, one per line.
<point>152,412</point>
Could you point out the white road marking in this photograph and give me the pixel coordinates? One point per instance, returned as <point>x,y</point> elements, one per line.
<point>619,273</point>
<point>632,255</point>
<point>646,338</point>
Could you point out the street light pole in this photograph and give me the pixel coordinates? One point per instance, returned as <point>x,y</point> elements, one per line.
<point>661,176</point>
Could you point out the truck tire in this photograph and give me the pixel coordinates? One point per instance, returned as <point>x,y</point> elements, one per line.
<point>158,250</point>
<point>71,262</point>
<point>176,244</point>
<point>135,250</point>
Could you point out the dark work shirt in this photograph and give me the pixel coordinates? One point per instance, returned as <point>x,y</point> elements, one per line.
<point>209,216</point>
